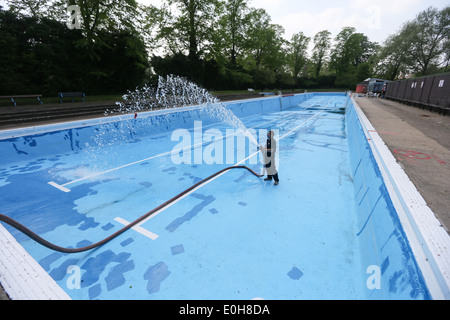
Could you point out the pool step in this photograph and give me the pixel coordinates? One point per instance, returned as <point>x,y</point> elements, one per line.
<point>20,116</point>
<point>47,112</point>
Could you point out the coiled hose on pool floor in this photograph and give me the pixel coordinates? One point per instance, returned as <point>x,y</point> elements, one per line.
<point>13,223</point>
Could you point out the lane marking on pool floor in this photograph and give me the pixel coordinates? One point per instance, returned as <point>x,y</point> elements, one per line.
<point>58,186</point>
<point>63,188</point>
<point>138,228</point>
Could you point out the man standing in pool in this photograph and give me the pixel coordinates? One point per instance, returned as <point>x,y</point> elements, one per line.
<point>269,157</point>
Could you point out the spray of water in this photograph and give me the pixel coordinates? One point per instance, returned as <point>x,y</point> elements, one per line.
<point>175,91</point>
<point>170,92</point>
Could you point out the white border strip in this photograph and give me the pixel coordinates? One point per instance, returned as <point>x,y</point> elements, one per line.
<point>21,276</point>
<point>429,241</point>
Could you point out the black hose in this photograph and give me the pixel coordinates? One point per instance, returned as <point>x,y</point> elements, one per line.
<point>13,223</point>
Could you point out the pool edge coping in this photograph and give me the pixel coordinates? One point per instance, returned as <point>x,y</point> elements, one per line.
<point>429,241</point>
<point>22,277</point>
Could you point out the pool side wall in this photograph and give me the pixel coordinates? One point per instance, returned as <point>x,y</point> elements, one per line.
<point>387,259</point>
<point>18,145</point>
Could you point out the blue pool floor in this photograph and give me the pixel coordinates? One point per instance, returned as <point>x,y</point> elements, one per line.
<point>237,237</point>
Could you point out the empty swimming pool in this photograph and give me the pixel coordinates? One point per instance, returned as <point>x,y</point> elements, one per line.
<point>327,231</point>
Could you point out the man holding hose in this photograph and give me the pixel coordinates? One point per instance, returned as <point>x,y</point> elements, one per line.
<point>268,153</point>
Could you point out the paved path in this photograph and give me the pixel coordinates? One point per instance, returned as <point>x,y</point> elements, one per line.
<point>420,141</point>
<point>3,295</point>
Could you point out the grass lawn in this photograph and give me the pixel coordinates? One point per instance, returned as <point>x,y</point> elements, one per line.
<point>117,97</point>
<point>55,99</point>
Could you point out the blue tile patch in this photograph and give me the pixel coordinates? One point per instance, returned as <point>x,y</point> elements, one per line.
<point>384,265</point>
<point>126,242</point>
<point>206,200</point>
<point>177,249</point>
<point>295,273</point>
<point>108,226</point>
<point>145,184</point>
<point>95,291</point>
<point>155,275</point>
<point>116,276</point>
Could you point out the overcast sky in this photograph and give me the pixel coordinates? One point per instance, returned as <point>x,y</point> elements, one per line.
<point>377,20</point>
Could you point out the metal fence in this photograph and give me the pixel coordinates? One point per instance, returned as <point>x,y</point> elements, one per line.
<point>430,92</point>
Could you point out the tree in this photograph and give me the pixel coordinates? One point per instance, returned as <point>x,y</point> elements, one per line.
<point>322,43</point>
<point>153,21</point>
<point>234,21</point>
<point>37,55</point>
<point>264,54</point>
<point>36,8</point>
<point>194,24</point>
<point>393,55</point>
<point>363,71</point>
<point>259,34</point>
<point>95,14</point>
<point>429,33</point>
<point>122,63</point>
<point>446,54</point>
<point>228,43</point>
<point>419,47</point>
<point>190,32</point>
<point>42,55</point>
<point>351,50</point>
<point>340,54</point>
<point>297,53</point>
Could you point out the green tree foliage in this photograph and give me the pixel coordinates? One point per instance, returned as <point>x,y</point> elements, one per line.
<point>37,56</point>
<point>234,22</point>
<point>193,26</point>
<point>322,44</point>
<point>298,53</point>
<point>393,56</point>
<point>219,44</point>
<point>42,55</point>
<point>228,44</point>
<point>264,55</point>
<point>420,47</point>
<point>350,58</point>
<point>429,33</point>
